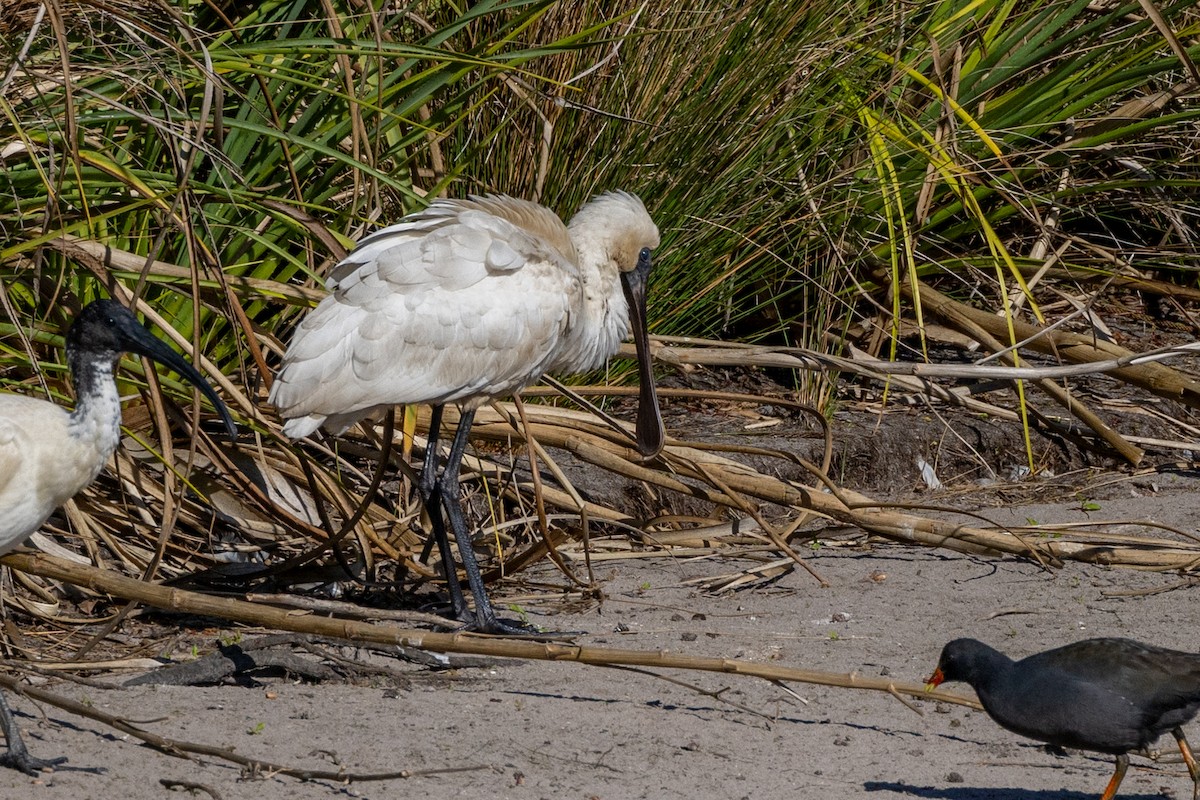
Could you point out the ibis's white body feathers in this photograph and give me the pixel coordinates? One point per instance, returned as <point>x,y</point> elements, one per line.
<point>48,455</point>
<point>463,302</point>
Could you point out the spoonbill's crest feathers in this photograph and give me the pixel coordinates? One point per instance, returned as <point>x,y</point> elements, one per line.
<point>618,223</point>
<point>462,302</point>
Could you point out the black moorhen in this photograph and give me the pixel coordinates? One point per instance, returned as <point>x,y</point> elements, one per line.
<point>1106,695</point>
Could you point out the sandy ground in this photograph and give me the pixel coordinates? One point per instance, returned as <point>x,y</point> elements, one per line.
<point>551,730</point>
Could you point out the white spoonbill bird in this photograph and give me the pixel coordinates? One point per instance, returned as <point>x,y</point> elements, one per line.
<point>465,302</point>
<point>48,454</point>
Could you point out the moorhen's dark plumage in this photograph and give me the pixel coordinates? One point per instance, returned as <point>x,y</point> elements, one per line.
<point>1106,695</point>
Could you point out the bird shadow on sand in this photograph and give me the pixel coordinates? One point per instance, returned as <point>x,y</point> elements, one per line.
<point>987,792</point>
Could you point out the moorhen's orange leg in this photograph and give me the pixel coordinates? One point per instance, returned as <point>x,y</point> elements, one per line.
<point>1115,781</point>
<point>1190,760</point>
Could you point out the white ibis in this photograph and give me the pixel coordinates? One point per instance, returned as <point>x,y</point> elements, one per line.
<point>465,302</point>
<point>48,454</point>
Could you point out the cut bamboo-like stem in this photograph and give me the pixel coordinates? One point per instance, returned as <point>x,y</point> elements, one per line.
<point>179,600</point>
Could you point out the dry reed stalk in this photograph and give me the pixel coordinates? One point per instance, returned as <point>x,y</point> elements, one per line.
<point>182,749</point>
<point>1155,378</point>
<point>679,462</point>
<point>182,601</point>
<point>1136,283</point>
<point>1058,394</point>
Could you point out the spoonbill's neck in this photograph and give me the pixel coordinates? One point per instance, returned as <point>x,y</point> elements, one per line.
<point>600,322</point>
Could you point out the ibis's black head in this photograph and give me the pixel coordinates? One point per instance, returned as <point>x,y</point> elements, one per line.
<point>105,329</point>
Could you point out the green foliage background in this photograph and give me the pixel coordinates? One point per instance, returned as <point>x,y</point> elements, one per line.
<point>787,149</point>
<point>803,160</point>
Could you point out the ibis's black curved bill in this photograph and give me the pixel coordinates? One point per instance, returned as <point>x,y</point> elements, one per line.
<point>109,316</point>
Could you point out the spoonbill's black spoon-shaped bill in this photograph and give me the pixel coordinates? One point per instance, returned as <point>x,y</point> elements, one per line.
<point>1106,695</point>
<point>48,454</point>
<point>464,302</point>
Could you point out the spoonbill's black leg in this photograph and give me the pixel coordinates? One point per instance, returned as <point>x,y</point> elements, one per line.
<point>431,497</point>
<point>440,493</point>
<point>486,620</point>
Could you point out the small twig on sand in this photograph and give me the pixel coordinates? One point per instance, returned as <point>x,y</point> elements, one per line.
<point>189,786</point>
<point>182,749</point>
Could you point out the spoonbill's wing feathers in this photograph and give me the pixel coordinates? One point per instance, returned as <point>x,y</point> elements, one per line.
<point>450,241</point>
<point>453,303</point>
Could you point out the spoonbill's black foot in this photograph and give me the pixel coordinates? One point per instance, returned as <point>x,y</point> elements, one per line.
<point>498,626</point>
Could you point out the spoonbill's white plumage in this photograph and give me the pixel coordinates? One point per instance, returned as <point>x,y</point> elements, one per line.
<point>465,302</point>
<point>47,454</point>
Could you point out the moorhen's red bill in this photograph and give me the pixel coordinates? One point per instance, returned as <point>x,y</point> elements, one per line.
<point>1106,695</point>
